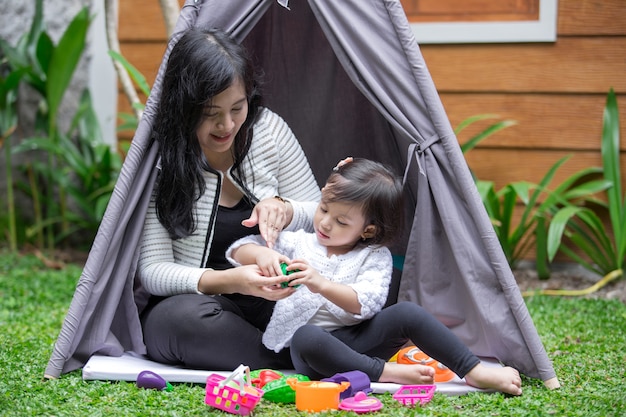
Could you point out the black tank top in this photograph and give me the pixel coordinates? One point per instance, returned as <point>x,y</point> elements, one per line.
<point>228,228</point>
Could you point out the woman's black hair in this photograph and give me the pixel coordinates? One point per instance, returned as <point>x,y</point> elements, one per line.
<point>376,189</point>
<point>201,65</point>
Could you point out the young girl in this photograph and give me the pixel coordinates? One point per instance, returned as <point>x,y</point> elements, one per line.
<point>335,321</point>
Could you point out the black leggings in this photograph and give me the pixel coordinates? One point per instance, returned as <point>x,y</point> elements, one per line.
<point>368,345</point>
<point>220,333</point>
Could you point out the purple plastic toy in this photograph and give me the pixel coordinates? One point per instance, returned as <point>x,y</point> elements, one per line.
<point>152,380</point>
<point>359,381</point>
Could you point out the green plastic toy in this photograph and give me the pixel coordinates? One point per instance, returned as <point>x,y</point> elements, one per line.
<point>275,386</point>
<point>279,391</point>
<point>285,284</point>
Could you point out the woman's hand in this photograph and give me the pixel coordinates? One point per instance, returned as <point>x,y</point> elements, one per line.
<point>272,215</point>
<point>246,279</point>
<point>253,282</point>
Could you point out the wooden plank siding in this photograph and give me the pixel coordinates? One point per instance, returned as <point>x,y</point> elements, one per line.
<point>555,91</point>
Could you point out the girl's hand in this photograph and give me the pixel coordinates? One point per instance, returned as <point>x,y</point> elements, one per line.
<point>339,294</point>
<point>306,275</point>
<point>269,263</point>
<point>272,215</point>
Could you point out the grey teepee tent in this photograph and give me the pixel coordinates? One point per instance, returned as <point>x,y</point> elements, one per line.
<point>349,78</point>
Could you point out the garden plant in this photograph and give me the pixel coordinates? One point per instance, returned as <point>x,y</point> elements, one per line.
<point>568,218</point>
<point>604,246</point>
<point>70,172</point>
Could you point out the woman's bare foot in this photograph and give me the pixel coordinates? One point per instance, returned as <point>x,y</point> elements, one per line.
<point>504,379</point>
<point>407,374</point>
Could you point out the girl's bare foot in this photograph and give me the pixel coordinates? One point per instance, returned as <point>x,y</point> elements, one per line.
<point>504,379</point>
<point>407,374</point>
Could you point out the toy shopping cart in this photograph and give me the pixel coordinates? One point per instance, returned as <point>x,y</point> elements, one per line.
<point>234,394</point>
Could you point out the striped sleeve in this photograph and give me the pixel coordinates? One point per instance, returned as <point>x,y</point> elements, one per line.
<point>164,269</point>
<point>295,179</point>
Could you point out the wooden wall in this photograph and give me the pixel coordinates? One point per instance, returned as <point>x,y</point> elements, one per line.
<point>555,91</point>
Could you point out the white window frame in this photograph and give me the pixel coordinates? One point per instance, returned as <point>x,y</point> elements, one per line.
<point>542,30</point>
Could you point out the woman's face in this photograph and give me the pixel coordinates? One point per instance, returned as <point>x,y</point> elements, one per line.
<point>221,120</point>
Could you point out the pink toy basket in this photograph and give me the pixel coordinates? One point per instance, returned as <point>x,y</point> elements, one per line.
<point>413,394</point>
<point>234,394</point>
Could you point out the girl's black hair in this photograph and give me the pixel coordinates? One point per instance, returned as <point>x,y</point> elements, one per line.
<point>376,189</point>
<point>201,65</point>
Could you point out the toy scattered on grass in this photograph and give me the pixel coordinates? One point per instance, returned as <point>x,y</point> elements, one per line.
<point>361,403</point>
<point>413,355</point>
<point>279,391</point>
<point>234,394</point>
<point>285,284</point>
<point>261,377</point>
<point>151,380</point>
<point>359,381</point>
<point>412,394</point>
<point>274,385</point>
<point>316,396</point>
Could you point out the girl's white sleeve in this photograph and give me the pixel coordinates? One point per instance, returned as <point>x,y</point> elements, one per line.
<point>251,239</point>
<point>285,244</point>
<point>371,284</point>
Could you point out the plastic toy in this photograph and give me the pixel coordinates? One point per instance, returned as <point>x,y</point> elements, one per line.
<point>359,381</point>
<point>315,396</point>
<point>234,394</point>
<point>285,284</point>
<point>152,380</point>
<point>413,394</point>
<point>279,391</point>
<point>413,355</point>
<point>261,377</point>
<point>361,403</point>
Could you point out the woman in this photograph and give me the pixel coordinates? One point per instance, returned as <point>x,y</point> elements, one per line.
<point>223,161</point>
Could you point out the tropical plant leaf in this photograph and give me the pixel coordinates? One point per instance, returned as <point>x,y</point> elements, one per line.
<point>612,172</point>
<point>557,228</point>
<point>475,140</point>
<point>473,119</point>
<point>64,60</point>
<point>134,73</point>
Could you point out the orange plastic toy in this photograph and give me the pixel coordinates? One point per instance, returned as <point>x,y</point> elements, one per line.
<point>413,355</point>
<point>316,396</point>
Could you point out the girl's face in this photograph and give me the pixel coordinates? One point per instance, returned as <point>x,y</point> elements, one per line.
<point>221,120</point>
<point>339,226</point>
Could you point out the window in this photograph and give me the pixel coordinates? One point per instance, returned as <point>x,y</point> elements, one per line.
<point>479,21</point>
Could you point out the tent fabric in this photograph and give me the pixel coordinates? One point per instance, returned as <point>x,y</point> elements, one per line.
<point>343,93</point>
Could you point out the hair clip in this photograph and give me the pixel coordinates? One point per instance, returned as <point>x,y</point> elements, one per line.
<point>342,163</point>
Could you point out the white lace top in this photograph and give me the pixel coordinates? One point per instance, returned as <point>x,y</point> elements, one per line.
<point>367,270</point>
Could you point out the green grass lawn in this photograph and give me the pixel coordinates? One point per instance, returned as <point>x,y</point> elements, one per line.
<point>586,339</point>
